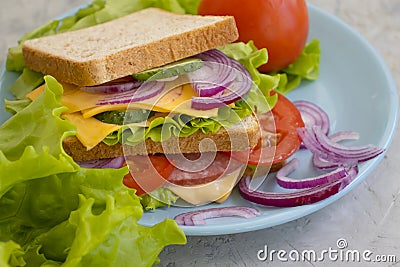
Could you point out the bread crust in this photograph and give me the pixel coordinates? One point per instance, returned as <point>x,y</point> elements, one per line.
<point>143,40</point>
<point>240,137</point>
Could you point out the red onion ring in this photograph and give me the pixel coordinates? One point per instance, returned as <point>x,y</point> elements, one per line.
<point>113,163</point>
<point>205,84</point>
<point>198,217</point>
<point>321,146</point>
<point>290,183</point>
<point>312,115</point>
<point>299,197</point>
<point>336,137</point>
<point>344,135</point>
<point>241,85</point>
<point>146,91</point>
<point>117,86</point>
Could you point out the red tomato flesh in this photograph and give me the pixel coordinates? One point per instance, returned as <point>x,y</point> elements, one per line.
<point>287,119</point>
<point>147,173</point>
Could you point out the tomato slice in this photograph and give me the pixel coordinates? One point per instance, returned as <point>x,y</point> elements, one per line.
<point>147,173</point>
<point>287,119</point>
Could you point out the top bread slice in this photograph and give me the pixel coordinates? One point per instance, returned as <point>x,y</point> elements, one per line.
<point>143,40</point>
<point>241,136</point>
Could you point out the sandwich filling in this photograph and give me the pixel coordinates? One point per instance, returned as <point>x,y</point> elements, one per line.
<point>109,114</point>
<point>177,91</point>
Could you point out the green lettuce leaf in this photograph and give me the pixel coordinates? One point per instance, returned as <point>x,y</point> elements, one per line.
<point>161,197</point>
<point>37,145</point>
<point>106,237</point>
<point>163,128</point>
<point>26,82</point>
<point>190,6</point>
<point>11,254</point>
<point>83,219</point>
<point>15,106</point>
<point>48,204</point>
<point>306,67</point>
<point>42,203</point>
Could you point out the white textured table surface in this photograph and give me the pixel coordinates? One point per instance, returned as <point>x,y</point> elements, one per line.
<point>368,218</point>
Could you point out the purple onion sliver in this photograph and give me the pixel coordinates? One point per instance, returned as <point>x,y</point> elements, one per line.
<point>241,85</point>
<point>321,146</point>
<point>336,137</point>
<point>352,173</point>
<point>289,199</point>
<point>321,118</point>
<point>323,179</point>
<point>323,164</point>
<point>113,163</point>
<point>344,135</point>
<point>147,90</point>
<point>198,217</point>
<point>112,88</point>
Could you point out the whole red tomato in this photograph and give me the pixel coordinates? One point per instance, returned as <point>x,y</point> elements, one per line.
<point>281,26</point>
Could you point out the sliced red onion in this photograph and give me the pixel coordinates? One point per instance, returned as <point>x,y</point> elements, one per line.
<point>113,163</point>
<point>336,137</point>
<point>147,90</point>
<point>321,146</point>
<point>322,164</point>
<point>298,197</point>
<point>290,183</point>
<point>344,135</point>
<point>198,217</point>
<point>117,86</point>
<point>312,115</point>
<point>232,78</point>
<point>205,84</point>
<point>337,148</point>
<point>214,55</point>
<point>215,75</point>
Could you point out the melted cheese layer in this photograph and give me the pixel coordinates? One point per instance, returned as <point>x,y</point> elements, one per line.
<point>218,190</point>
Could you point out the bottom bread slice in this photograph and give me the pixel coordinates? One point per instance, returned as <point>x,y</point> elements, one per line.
<point>240,136</point>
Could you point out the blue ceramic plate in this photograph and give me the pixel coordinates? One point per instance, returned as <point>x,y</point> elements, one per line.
<point>355,88</point>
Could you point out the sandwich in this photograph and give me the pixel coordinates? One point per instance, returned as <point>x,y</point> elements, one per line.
<point>151,90</point>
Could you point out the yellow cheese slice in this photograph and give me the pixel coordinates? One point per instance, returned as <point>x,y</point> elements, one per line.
<point>176,99</point>
<point>91,131</point>
<point>203,194</point>
<point>71,92</point>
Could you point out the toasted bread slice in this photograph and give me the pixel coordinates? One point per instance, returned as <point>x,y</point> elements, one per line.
<point>240,136</point>
<point>140,41</point>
